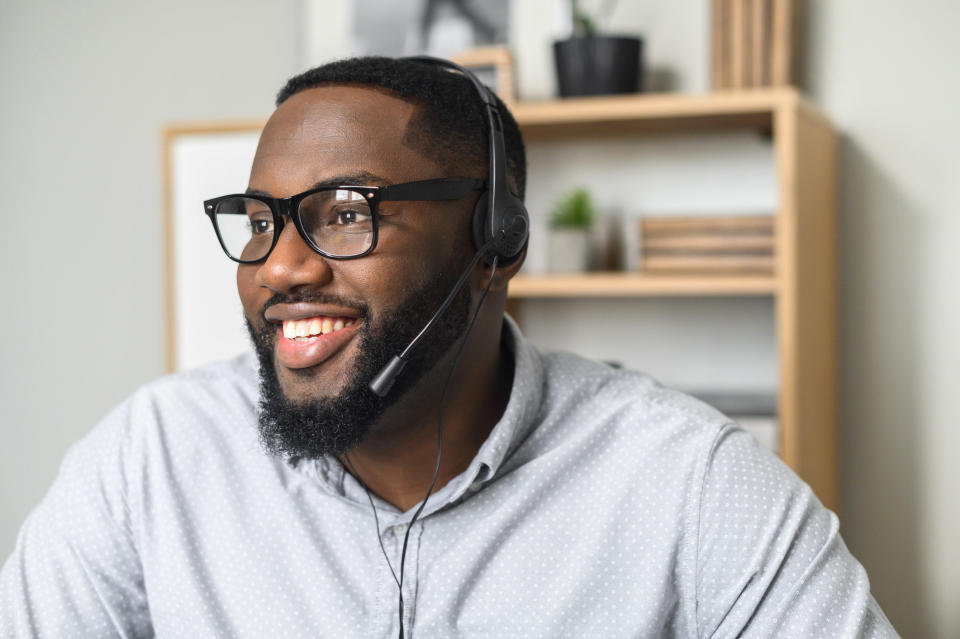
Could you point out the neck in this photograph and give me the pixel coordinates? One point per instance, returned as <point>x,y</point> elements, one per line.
<point>397,459</point>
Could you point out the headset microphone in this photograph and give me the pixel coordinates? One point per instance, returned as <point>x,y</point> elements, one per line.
<point>383,381</point>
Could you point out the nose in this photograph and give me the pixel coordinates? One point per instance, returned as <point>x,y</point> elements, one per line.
<point>292,265</point>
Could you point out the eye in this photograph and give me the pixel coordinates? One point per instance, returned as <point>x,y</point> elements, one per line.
<point>261,226</point>
<point>259,220</point>
<point>350,217</point>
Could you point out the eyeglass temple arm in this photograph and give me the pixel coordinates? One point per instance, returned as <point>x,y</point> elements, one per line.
<point>442,189</point>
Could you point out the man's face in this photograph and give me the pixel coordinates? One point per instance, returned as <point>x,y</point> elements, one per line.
<point>352,136</point>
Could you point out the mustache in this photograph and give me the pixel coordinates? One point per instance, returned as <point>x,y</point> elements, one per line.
<point>362,308</point>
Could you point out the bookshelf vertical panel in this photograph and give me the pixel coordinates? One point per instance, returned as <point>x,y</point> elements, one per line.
<point>806,299</point>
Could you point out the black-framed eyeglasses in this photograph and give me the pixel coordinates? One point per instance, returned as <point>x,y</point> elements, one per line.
<point>339,222</point>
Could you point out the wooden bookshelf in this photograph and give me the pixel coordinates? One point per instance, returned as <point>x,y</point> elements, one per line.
<point>804,285</point>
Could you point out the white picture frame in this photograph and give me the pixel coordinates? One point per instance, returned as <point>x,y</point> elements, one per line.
<point>204,320</point>
<point>493,66</point>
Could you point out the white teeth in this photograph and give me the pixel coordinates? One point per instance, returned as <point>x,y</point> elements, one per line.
<point>303,328</point>
<point>315,326</point>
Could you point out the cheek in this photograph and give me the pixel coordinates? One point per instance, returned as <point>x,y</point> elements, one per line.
<point>386,280</point>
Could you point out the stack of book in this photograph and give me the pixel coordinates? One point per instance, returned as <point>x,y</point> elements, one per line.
<point>756,43</point>
<point>707,245</point>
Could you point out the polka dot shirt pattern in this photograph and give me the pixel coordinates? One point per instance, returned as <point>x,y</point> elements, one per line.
<point>601,505</point>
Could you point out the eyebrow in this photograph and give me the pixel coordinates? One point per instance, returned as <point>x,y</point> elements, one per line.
<point>360,178</point>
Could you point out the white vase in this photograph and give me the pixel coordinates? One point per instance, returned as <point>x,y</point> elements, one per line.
<point>568,250</point>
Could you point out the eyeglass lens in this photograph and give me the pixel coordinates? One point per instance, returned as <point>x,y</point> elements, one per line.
<point>338,221</point>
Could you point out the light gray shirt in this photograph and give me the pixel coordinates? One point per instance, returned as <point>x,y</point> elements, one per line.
<point>601,505</point>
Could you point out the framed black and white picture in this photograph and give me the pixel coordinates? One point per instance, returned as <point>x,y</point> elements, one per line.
<point>434,27</point>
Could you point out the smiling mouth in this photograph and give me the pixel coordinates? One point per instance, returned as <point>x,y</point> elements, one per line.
<point>305,330</point>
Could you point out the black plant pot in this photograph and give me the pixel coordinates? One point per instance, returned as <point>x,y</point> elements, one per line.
<point>599,65</point>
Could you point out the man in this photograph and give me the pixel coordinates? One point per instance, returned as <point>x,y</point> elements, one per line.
<point>570,499</point>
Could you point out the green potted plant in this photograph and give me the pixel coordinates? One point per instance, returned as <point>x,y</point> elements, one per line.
<point>591,64</point>
<point>569,236</point>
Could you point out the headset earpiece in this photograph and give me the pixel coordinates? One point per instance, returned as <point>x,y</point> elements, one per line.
<point>515,230</point>
<point>509,228</point>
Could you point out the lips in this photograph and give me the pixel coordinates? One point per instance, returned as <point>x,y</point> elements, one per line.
<point>311,350</point>
<point>308,335</point>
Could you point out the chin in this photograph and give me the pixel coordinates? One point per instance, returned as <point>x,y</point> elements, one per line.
<point>301,386</point>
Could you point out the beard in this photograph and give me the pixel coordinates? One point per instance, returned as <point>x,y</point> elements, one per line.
<point>334,425</point>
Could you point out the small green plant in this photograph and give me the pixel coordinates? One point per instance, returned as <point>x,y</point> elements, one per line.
<point>585,26</point>
<point>574,211</point>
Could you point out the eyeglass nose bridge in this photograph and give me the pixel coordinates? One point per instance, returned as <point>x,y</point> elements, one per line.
<point>285,210</point>
<point>288,208</point>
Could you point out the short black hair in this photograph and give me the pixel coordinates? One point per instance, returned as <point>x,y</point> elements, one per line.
<point>451,125</point>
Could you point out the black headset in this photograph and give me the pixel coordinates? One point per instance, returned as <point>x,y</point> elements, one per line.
<point>500,221</point>
<point>500,225</point>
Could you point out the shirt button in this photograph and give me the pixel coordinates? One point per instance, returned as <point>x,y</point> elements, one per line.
<point>399,530</point>
<point>475,486</point>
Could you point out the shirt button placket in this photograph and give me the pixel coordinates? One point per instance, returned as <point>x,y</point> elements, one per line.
<point>410,571</point>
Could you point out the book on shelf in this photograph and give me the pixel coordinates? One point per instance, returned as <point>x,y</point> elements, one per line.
<point>786,27</point>
<point>705,245</point>
<point>707,264</point>
<point>761,35</point>
<point>738,44</point>
<point>756,43</point>
<point>692,225</point>
<point>711,242</point>
<point>720,44</point>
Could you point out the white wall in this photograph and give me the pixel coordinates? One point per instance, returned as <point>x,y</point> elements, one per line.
<point>86,87</point>
<point>885,73</point>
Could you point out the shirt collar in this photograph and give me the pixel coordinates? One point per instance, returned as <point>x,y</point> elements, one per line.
<point>517,422</point>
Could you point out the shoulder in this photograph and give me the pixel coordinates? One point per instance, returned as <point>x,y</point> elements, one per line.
<point>222,389</point>
<point>193,403</point>
<point>626,409</point>
<point>170,425</point>
<point>623,436</point>
<point>203,409</point>
<point>193,389</point>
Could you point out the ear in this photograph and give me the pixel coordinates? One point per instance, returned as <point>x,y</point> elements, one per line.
<point>504,273</point>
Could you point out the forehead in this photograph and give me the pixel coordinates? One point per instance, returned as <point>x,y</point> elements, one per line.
<point>326,132</point>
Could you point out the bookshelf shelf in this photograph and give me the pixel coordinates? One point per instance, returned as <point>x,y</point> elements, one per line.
<point>733,109</point>
<point>636,285</point>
